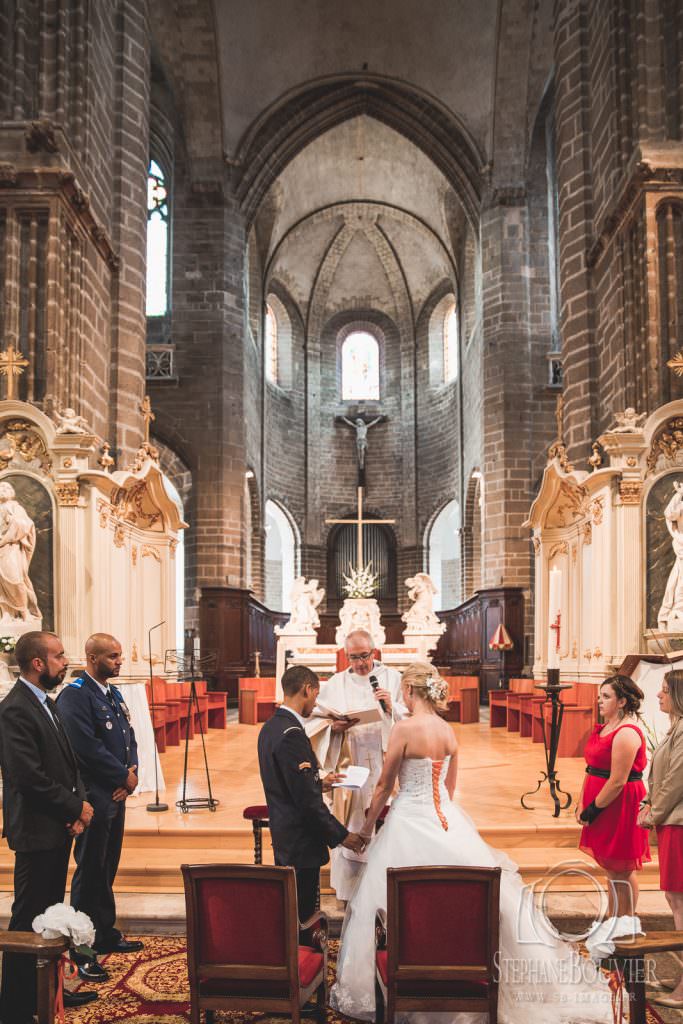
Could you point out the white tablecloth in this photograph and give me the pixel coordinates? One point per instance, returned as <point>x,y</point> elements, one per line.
<point>135,697</point>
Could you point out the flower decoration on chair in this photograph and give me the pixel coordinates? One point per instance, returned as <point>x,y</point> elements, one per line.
<point>360,582</point>
<point>7,644</point>
<point>62,919</point>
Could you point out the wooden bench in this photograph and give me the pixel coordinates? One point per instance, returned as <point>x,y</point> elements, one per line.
<point>579,717</point>
<point>633,951</point>
<point>165,711</point>
<point>47,953</point>
<point>463,699</point>
<point>256,699</point>
<point>499,704</point>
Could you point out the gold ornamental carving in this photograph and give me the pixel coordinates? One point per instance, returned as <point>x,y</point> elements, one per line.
<point>587,533</point>
<point>561,548</point>
<point>173,544</point>
<point>575,551</point>
<point>537,546</point>
<point>570,505</point>
<point>134,555</point>
<point>149,551</point>
<point>558,449</point>
<point>667,442</point>
<point>12,365</point>
<point>105,460</point>
<point>676,364</point>
<point>68,493</point>
<point>134,654</point>
<point>598,510</point>
<point>21,445</point>
<point>630,491</point>
<point>119,536</point>
<point>595,460</point>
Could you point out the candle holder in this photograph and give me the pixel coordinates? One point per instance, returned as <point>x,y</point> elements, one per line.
<point>552,689</point>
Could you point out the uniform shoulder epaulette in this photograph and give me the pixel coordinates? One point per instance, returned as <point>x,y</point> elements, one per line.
<point>116,690</point>
<point>77,683</point>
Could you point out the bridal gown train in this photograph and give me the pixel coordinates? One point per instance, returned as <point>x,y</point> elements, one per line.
<point>539,980</point>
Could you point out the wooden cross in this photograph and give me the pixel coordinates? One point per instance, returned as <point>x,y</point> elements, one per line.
<point>12,365</point>
<point>359,523</point>
<point>556,626</point>
<point>147,415</point>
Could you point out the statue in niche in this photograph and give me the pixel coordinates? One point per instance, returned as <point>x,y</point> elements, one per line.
<point>18,603</point>
<point>670,614</point>
<point>361,428</point>
<point>421,591</point>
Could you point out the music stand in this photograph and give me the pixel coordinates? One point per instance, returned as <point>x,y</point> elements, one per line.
<point>187,665</point>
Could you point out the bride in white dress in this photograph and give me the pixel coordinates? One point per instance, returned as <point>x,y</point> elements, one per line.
<point>541,977</point>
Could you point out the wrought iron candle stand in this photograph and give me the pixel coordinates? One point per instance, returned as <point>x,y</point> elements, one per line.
<point>552,688</point>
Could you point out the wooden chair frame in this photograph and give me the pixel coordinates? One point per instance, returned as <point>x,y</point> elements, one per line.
<point>387,931</point>
<point>633,952</point>
<point>47,952</point>
<point>288,974</point>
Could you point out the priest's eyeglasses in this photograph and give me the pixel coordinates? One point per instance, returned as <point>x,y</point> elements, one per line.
<point>360,657</point>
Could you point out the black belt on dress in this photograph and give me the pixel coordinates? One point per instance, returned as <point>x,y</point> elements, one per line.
<point>602,773</point>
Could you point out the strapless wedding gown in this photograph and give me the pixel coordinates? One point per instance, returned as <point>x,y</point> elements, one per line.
<point>541,977</point>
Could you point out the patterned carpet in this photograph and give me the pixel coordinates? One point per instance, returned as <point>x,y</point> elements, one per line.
<point>151,988</point>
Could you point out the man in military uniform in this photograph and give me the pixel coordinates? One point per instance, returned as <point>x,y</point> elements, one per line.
<point>98,724</point>
<point>301,826</point>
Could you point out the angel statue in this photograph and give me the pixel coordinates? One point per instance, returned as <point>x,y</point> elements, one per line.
<point>71,423</point>
<point>421,591</point>
<point>670,614</point>
<point>305,598</point>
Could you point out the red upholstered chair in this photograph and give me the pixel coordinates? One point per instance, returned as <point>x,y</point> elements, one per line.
<point>243,949</point>
<point>425,963</point>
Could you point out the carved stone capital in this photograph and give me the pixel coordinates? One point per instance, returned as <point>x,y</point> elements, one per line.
<point>68,493</point>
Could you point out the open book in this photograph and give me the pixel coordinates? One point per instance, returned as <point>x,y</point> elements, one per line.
<point>355,777</point>
<point>365,717</point>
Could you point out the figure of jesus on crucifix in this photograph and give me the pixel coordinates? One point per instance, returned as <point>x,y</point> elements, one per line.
<point>361,428</point>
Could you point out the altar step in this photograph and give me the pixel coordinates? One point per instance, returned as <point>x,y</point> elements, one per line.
<point>151,860</point>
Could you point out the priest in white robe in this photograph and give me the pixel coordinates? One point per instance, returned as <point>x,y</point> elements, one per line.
<point>338,744</point>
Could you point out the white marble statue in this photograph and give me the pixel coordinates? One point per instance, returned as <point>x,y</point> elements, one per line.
<point>18,603</point>
<point>305,598</point>
<point>670,614</point>
<point>360,613</point>
<point>421,591</point>
<point>71,423</point>
<point>628,421</point>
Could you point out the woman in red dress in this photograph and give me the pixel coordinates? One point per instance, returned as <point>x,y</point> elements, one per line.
<point>608,805</point>
<point>664,811</point>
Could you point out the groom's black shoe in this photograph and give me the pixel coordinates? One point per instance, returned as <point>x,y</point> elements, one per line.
<point>74,999</point>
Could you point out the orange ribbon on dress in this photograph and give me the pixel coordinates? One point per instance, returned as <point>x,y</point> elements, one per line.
<point>65,968</point>
<point>436,795</point>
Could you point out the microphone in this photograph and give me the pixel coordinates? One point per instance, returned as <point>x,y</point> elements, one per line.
<point>375,685</point>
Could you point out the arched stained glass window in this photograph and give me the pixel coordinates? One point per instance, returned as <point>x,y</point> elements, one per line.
<point>450,345</point>
<point>271,345</point>
<point>157,241</point>
<point>360,367</point>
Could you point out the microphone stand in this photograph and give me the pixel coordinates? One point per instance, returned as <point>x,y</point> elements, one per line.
<point>156,806</point>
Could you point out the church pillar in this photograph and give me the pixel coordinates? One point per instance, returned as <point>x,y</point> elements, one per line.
<point>572,126</point>
<point>508,406</point>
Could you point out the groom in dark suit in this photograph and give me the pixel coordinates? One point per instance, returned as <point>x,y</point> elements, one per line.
<point>43,804</point>
<point>301,826</point>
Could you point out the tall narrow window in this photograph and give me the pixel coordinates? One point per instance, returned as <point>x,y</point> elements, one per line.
<point>157,241</point>
<point>360,367</point>
<point>450,345</point>
<point>271,345</point>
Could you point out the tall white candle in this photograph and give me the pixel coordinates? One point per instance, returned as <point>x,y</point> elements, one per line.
<point>554,610</point>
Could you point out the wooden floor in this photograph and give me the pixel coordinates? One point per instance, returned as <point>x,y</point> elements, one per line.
<point>496,767</point>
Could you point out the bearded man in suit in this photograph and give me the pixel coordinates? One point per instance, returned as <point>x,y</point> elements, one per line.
<point>44,807</point>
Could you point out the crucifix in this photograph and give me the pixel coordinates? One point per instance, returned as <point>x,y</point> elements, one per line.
<point>556,627</point>
<point>359,522</point>
<point>12,365</point>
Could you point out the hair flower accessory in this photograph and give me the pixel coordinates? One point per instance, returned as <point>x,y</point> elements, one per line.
<point>437,688</point>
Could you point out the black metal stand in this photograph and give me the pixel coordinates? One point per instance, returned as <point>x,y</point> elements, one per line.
<point>552,688</point>
<point>156,806</point>
<point>186,803</point>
